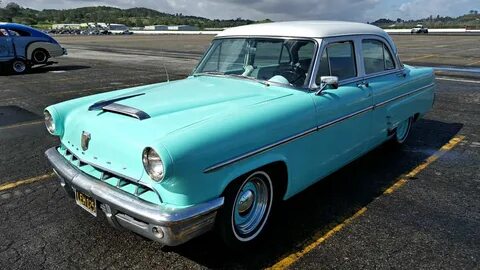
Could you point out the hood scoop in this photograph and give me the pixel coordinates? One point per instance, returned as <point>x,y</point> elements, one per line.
<point>111,106</point>
<point>126,110</point>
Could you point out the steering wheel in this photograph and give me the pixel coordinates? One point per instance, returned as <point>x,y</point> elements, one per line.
<point>294,74</point>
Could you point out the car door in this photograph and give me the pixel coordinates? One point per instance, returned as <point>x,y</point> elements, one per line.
<point>343,114</point>
<point>386,79</point>
<point>6,46</point>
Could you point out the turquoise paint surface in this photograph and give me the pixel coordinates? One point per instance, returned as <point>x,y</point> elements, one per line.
<point>202,121</point>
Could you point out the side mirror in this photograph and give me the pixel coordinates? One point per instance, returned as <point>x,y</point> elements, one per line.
<point>327,82</point>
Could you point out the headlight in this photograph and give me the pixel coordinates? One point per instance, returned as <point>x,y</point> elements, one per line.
<point>49,123</point>
<point>153,164</point>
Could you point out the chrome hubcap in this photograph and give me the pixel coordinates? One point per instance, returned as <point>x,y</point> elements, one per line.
<point>252,207</point>
<point>19,66</point>
<point>245,202</point>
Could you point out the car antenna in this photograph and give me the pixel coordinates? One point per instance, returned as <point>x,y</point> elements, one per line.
<point>166,72</point>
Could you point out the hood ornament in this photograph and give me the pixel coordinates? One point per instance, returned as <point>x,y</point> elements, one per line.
<point>85,140</point>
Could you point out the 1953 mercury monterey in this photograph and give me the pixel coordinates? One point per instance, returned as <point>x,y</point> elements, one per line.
<point>269,110</point>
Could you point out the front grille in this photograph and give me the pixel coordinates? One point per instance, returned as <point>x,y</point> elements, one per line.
<point>126,185</point>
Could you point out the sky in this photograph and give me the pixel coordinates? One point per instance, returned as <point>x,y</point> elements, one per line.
<point>280,10</point>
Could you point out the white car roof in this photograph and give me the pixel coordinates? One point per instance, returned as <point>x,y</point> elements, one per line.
<point>310,29</point>
<point>307,29</point>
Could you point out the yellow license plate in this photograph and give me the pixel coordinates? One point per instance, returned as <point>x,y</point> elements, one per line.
<point>86,202</point>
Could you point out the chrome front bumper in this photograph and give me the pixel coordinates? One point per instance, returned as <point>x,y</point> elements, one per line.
<point>169,226</point>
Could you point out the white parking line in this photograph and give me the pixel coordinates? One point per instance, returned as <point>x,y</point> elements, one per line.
<point>457,80</point>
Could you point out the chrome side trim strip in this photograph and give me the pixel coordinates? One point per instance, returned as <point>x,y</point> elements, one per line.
<point>260,150</point>
<point>331,123</point>
<point>309,131</point>
<point>403,95</point>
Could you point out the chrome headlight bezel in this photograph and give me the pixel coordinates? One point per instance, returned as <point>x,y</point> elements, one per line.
<point>49,122</point>
<point>153,164</point>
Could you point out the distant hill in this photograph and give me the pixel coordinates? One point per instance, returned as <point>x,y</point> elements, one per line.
<point>470,20</point>
<point>132,17</point>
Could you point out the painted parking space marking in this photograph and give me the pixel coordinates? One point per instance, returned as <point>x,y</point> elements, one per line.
<point>18,183</point>
<point>456,80</point>
<point>22,124</point>
<point>420,57</point>
<point>318,239</point>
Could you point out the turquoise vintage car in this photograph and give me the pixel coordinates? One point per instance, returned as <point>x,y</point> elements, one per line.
<point>269,110</point>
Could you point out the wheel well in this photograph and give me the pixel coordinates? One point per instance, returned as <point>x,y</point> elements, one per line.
<point>277,171</point>
<point>416,117</point>
<point>41,49</point>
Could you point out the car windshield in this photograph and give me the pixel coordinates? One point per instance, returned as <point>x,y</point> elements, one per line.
<point>284,61</point>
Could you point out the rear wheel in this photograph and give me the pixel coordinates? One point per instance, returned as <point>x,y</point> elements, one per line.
<point>402,131</point>
<point>247,208</point>
<point>40,56</point>
<point>19,66</point>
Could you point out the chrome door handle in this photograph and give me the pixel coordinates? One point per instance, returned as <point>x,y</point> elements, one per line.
<point>363,83</point>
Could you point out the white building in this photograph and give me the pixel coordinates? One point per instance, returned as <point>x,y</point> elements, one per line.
<point>182,28</point>
<point>156,28</point>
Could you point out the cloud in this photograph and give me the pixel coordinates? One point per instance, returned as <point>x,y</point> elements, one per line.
<point>351,10</point>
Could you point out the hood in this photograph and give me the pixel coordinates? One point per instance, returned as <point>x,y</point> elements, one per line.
<point>118,138</point>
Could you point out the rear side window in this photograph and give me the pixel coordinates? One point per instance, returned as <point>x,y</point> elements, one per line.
<point>376,56</point>
<point>18,33</point>
<point>338,59</point>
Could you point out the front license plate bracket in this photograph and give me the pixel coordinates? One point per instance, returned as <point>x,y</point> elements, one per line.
<point>88,203</point>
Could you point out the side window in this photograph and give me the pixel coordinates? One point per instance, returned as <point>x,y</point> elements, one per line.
<point>338,59</point>
<point>376,56</point>
<point>3,33</point>
<point>18,33</point>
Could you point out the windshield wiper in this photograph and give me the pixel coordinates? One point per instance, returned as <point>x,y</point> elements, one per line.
<point>222,74</point>
<point>209,73</point>
<point>250,78</point>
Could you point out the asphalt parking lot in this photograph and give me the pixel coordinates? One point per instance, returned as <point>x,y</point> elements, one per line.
<point>414,207</point>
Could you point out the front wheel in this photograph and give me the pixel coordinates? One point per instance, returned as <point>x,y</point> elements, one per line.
<point>19,66</point>
<point>247,208</point>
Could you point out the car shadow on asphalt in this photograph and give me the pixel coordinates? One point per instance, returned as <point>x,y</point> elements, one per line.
<point>44,69</point>
<point>325,204</point>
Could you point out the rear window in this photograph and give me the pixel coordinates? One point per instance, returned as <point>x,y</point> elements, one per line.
<point>376,56</point>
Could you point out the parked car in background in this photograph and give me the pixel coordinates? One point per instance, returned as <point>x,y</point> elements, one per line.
<point>419,29</point>
<point>22,47</point>
<point>269,110</point>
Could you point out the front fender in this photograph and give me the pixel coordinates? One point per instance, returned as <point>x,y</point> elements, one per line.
<point>249,165</point>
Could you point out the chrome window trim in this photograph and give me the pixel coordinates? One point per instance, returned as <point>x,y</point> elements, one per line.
<point>310,131</point>
<point>357,42</point>
<point>327,41</point>
<point>396,59</point>
<point>312,67</point>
